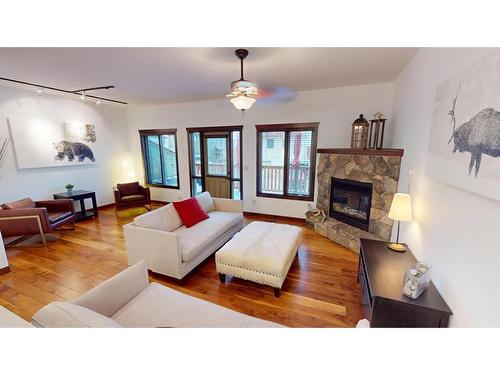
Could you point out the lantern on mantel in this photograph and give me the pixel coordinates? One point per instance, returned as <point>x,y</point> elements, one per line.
<point>377,127</point>
<point>359,136</point>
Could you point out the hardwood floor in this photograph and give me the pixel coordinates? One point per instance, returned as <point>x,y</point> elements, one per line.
<point>320,291</point>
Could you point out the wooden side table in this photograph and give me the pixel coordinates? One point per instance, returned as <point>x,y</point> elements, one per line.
<point>381,273</point>
<point>81,195</point>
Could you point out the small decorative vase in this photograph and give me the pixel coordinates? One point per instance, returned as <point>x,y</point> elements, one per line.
<point>70,191</point>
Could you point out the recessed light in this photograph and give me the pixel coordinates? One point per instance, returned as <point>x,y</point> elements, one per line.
<point>98,102</point>
<point>39,92</point>
<point>83,96</point>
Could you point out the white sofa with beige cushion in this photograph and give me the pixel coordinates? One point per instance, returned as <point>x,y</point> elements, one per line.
<point>171,249</point>
<point>129,300</point>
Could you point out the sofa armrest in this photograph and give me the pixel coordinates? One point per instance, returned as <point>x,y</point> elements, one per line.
<point>10,320</point>
<point>24,220</point>
<point>144,190</point>
<point>111,295</point>
<point>228,205</point>
<point>57,205</point>
<point>160,249</point>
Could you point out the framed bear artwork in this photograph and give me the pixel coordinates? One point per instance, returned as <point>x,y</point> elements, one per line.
<point>41,143</point>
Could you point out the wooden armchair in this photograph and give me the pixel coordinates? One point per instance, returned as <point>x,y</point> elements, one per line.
<point>26,217</point>
<point>131,195</point>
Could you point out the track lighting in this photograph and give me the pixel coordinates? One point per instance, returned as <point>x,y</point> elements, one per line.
<point>80,92</point>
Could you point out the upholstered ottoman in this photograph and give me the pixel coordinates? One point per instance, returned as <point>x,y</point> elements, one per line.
<point>262,252</point>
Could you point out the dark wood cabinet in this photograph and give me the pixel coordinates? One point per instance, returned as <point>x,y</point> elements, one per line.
<point>380,275</point>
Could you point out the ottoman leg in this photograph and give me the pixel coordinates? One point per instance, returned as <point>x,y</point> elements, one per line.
<point>222,277</point>
<point>277,292</point>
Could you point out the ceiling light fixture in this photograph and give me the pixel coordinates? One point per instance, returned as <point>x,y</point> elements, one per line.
<point>98,102</point>
<point>243,93</point>
<point>83,96</point>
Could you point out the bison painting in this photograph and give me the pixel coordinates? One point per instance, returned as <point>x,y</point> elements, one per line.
<point>480,135</point>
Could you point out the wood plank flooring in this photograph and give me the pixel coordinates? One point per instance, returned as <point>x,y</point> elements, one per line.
<point>320,291</point>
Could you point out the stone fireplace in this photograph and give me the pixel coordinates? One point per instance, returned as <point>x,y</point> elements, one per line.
<point>355,188</point>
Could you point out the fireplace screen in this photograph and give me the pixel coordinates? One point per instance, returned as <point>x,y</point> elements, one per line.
<point>350,202</point>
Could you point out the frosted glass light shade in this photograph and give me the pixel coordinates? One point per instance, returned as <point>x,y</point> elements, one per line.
<point>242,102</point>
<point>401,207</point>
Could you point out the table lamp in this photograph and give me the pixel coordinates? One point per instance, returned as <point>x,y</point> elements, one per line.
<point>400,211</point>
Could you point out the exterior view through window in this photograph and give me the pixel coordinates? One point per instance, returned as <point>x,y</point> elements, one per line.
<point>159,153</point>
<point>286,158</point>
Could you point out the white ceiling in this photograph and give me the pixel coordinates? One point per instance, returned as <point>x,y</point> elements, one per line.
<point>170,75</point>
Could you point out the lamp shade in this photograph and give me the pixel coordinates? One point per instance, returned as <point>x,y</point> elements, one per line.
<point>401,207</point>
<point>242,102</point>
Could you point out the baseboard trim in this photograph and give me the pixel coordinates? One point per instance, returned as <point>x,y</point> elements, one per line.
<point>4,270</point>
<point>159,202</point>
<point>106,206</point>
<point>271,217</point>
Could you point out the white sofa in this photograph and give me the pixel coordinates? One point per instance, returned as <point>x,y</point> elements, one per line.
<point>128,300</point>
<point>171,249</point>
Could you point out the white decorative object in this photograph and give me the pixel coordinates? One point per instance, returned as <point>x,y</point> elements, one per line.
<point>464,144</point>
<point>4,263</point>
<point>417,279</point>
<point>41,143</point>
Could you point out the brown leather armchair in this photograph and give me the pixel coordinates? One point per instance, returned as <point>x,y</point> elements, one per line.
<point>26,217</point>
<point>131,195</point>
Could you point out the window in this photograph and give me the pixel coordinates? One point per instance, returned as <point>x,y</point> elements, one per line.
<point>159,154</point>
<point>287,168</point>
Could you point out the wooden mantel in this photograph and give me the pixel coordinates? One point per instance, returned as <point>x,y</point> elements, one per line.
<point>364,151</point>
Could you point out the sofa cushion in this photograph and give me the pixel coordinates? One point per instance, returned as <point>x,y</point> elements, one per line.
<point>194,240</point>
<point>130,188</point>
<point>190,211</point>
<point>206,202</point>
<point>56,216</point>
<point>165,218</point>
<point>160,306</point>
<point>68,315</point>
<point>22,203</point>
<point>133,198</point>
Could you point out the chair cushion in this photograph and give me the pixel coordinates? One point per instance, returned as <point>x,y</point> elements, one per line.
<point>130,188</point>
<point>22,203</point>
<point>69,315</point>
<point>164,218</point>
<point>206,202</point>
<point>133,198</point>
<point>190,212</point>
<point>194,240</point>
<point>160,306</point>
<point>54,217</point>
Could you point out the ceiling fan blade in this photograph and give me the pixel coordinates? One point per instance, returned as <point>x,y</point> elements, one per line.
<point>276,95</point>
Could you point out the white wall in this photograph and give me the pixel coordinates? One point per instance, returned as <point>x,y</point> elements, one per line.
<point>41,183</point>
<point>335,110</point>
<point>456,231</point>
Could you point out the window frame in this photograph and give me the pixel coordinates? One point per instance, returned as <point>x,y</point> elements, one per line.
<point>143,134</point>
<point>287,128</point>
<point>214,129</point>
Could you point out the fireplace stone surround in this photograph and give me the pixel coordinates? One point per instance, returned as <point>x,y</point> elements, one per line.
<point>378,167</point>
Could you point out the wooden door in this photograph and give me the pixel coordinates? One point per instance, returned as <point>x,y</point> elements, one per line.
<point>217,172</point>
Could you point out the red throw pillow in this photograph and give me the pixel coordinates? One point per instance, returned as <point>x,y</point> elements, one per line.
<point>190,212</point>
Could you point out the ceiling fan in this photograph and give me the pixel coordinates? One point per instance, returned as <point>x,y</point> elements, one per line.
<point>244,93</point>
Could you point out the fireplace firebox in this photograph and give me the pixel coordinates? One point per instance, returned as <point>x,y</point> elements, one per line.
<point>350,202</point>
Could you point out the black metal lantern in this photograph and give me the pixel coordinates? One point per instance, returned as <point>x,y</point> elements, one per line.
<point>359,135</point>
<point>377,127</point>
